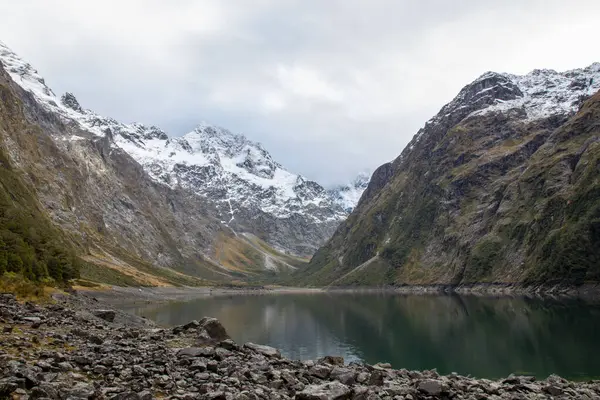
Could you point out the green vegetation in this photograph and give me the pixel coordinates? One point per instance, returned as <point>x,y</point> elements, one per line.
<point>29,244</point>
<point>488,200</point>
<point>484,257</point>
<point>95,273</point>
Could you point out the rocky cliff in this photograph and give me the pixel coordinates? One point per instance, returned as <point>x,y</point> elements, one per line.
<point>249,191</point>
<point>132,200</point>
<point>501,186</point>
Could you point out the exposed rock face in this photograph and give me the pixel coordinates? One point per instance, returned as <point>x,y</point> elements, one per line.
<point>72,354</point>
<point>131,194</point>
<point>248,190</point>
<point>502,185</point>
<point>101,198</point>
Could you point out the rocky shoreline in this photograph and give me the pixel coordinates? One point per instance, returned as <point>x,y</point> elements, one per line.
<point>586,291</point>
<point>76,349</point>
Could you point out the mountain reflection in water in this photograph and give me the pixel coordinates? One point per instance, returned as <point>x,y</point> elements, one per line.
<point>483,337</point>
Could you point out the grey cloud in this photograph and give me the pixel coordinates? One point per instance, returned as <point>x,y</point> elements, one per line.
<point>329,87</point>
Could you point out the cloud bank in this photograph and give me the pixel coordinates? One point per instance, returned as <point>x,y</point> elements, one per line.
<point>331,88</point>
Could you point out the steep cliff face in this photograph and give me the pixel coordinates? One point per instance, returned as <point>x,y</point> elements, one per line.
<point>248,190</point>
<point>99,196</point>
<point>502,185</point>
<point>130,198</point>
<point>126,227</point>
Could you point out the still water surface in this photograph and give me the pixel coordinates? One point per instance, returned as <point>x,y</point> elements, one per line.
<point>483,337</point>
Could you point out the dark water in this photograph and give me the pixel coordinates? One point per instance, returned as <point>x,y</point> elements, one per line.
<point>483,337</point>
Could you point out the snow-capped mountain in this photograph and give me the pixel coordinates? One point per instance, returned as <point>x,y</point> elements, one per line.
<point>249,188</point>
<point>347,196</point>
<point>483,192</point>
<point>536,95</point>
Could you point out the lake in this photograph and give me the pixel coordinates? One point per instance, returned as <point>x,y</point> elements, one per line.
<point>482,337</point>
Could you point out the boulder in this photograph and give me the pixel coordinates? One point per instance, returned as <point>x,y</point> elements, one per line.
<point>264,350</point>
<point>430,387</point>
<point>320,371</point>
<point>327,391</point>
<point>343,375</point>
<point>215,330</point>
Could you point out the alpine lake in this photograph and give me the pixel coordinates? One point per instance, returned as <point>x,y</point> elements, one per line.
<point>484,337</point>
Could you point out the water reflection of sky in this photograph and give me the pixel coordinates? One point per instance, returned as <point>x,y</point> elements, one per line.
<point>483,337</point>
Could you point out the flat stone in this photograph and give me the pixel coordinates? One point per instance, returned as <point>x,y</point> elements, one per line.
<point>431,387</point>
<point>228,344</point>
<point>216,396</point>
<point>32,319</point>
<point>382,366</point>
<point>191,352</point>
<point>264,350</point>
<point>326,391</point>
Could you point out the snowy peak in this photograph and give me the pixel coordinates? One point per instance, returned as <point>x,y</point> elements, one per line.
<point>540,93</point>
<point>239,175</point>
<point>347,196</point>
<point>536,95</point>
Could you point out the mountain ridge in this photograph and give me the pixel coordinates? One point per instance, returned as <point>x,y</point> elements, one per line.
<point>238,175</point>
<point>469,198</point>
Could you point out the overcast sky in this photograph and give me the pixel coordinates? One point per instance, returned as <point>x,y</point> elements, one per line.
<point>329,87</point>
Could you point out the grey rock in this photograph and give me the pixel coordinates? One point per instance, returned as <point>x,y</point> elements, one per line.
<point>431,387</point>
<point>376,378</point>
<point>145,395</point>
<point>126,396</point>
<point>326,391</point>
<point>320,371</point>
<point>333,360</point>
<point>198,365</point>
<point>362,377</point>
<point>107,315</point>
<point>202,376</point>
<point>343,375</point>
<point>65,366</point>
<point>229,344</point>
<point>553,390</point>
<point>81,390</point>
<point>212,366</point>
<point>264,350</point>
<point>216,396</point>
<point>191,352</point>
<point>215,330</point>
<point>95,339</point>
